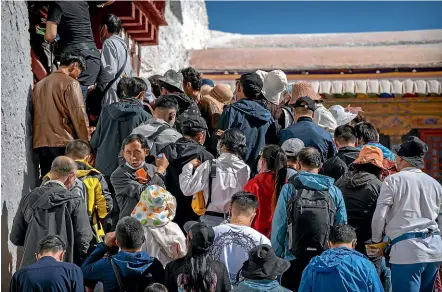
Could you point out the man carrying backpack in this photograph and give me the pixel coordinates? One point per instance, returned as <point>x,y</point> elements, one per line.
<point>306,209</point>
<point>131,269</point>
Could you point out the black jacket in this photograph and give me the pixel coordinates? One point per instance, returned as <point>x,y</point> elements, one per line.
<point>179,154</point>
<point>186,108</point>
<point>52,209</point>
<point>116,123</point>
<point>337,166</point>
<point>360,191</point>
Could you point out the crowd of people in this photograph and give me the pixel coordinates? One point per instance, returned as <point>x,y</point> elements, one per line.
<point>176,183</point>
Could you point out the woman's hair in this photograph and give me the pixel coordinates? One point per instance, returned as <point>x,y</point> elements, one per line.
<point>200,273</point>
<point>156,287</point>
<point>276,161</point>
<point>370,168</point>
<point>235,142</point>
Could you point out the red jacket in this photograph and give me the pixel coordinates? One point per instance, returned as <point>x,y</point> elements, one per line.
<point>262,186</point>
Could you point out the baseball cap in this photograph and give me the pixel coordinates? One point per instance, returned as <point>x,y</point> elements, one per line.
<point>413,151</point>
<point>305,102</point>
<point>194,122</point>
<point>291,147</point>
<point>202,236</point>
<point>251,84</point>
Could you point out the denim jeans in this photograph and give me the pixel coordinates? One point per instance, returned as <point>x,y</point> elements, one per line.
<point>414,277</point>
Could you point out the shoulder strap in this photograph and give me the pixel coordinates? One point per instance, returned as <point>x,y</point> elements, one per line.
<point>158,132</point>
<point>117,275</point>
<point>116,75</point>
<point>212,175</point>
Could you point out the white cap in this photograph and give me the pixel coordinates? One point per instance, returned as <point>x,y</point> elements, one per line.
<point>275,85</point>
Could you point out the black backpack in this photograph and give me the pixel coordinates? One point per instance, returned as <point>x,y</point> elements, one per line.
<point>310,214</point>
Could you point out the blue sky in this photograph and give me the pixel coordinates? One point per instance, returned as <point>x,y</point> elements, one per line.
<point>265,17</point>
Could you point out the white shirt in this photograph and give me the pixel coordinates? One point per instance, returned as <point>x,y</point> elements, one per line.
<point>232,174</point>
<point>232,244</point>
<point>409,201</point>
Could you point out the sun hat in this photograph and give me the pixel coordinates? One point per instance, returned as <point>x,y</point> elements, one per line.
<point>370,155</point>
<point>291,147</point>
<point>341,115</point>
<point>303,88</point>
<point>263,263</point>
<point>174,79</point>
<point>222,93</point>
<point>413,151</point>
<point>274,86</point>
<point>262,74</point>
<point>156,207</point>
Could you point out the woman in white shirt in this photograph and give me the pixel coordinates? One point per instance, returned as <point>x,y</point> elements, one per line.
<point>232,174</point>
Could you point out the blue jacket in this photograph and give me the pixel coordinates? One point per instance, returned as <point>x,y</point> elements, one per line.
<point>312,181</point>
<point>99,268</point>
<point>251,118</point>
<point>343,269</point>
<point>312,135</point>
<point>385,151</point>
<point>48,275</point>
<point>260,285</point>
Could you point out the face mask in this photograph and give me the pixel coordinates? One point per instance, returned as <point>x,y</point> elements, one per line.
<point>141,165</point>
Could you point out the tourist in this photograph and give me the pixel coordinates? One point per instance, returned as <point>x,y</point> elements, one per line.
<point>273,91</point>
<point>159,129</point>
<point>156,86</point>
<point>345,140</point>
<point>218,179</point>
<point>52,209</point>
<point>179,154</point>
<point>58,111</point>
<point>131,269</point>
<point>272,173</point>
<point>192,83</point>
<point>213,103</point>
<point>49,273</point>
<point>148,99</point>
<point>131,178</point>
<point>71,21</point>
<point>407,211</point>
<point>293,242</point>
<point>164,238</point>
<point>366,134</point>
<point>234,240</point>
<point>172,84</point>
<point>261,269</point>
<point>305,129</point>
<point>291,148</point>
<point>116,122</point>
<point>341,267</point>
<point>156,287</point>
<point>208,82</point>
<point>114,57</point>
<point>197,271</point>
<point>360,188</point>
<point>249,116</point>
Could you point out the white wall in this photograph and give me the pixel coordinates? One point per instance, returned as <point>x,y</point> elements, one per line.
<point>177,38</point>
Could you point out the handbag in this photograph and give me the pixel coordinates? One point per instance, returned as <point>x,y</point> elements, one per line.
<point>95,97</point>
<point>199,205</point>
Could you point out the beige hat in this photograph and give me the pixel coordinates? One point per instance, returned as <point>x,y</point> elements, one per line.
<point>303,88</point>
<point>222,93</point>
<point>205,89</point>
<point>274,86</point>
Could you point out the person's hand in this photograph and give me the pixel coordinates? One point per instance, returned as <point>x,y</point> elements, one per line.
<point>162,163</point>
<point>110,239</point>
<point>195,162</point>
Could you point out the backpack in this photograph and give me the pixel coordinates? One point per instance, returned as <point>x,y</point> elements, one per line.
<point>289,118</point>
<point>310,214</point>
<point>199,205</point>
<point>152,139</point>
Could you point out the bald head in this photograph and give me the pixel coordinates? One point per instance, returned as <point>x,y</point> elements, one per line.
<point>62,167</point>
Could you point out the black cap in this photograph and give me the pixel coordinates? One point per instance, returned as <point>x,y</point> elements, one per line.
<point>413,151</point>
<point>263,263</point>
<point>305,102</point>
<point>194,122</point>
<point>251,84</point>
<point>201,237</point>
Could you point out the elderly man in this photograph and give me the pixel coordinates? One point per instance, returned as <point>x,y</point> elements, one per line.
<point>58,111</point>
<point>407,210</point>
<point>53,209</point>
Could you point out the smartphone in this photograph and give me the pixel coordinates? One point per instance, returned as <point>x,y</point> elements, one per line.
<point>141,173</point>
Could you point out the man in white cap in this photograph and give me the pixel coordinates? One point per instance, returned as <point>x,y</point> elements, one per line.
<point>291,147</point>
